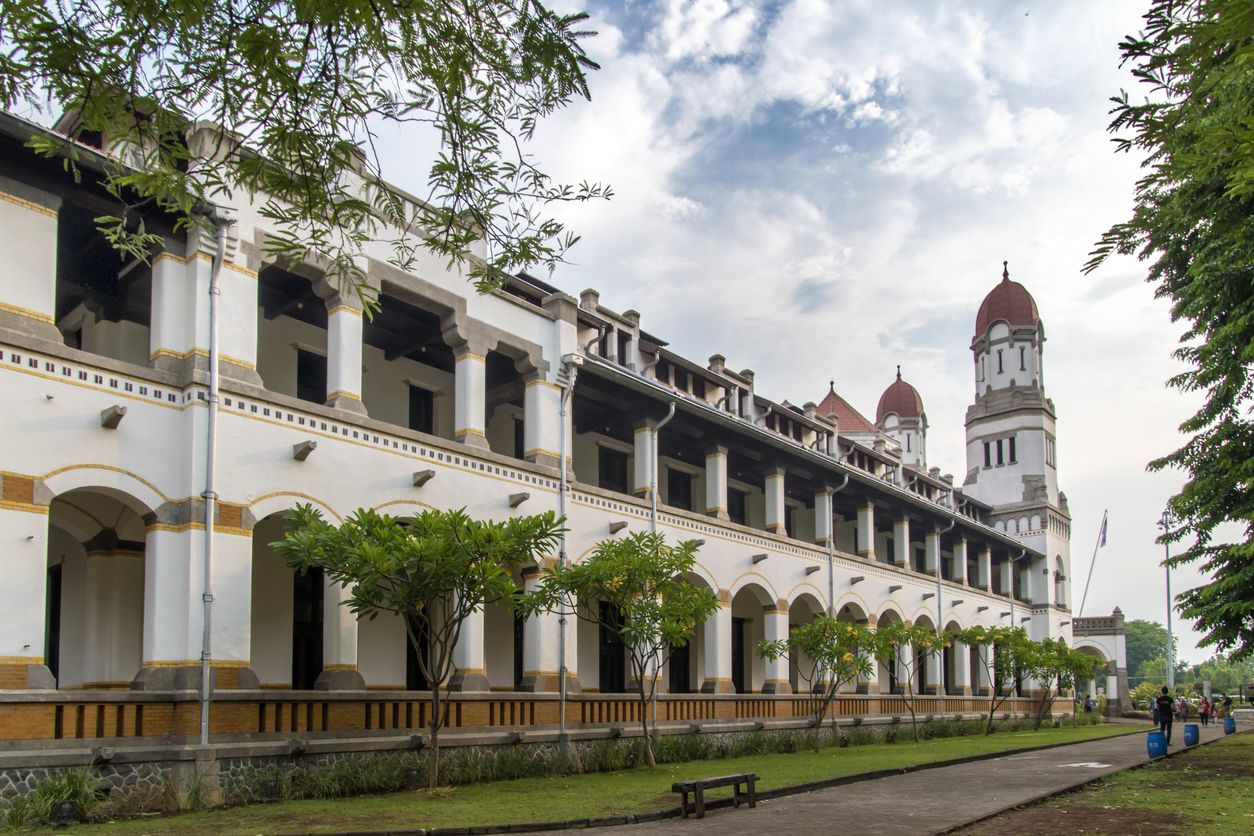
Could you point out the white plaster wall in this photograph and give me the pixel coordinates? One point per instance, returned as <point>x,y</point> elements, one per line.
<point>498,638</point>
<point>381,644</point>
<point>69,553</point>
<point>272,601</point>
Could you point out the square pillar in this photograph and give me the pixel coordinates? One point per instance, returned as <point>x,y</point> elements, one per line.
<point>339,642</point>
<point>174,614</point>
<point>960,560</point>
<point>28,235</point>
<point>1005,571</point>
<point>823,516</point>
<point>984,569</point>
<point>960,656</point>
<point>935,676</point>
<point>643,457</point>
<point>344,328</point>
<point>901,541</point>
<point>980,683</point>
<point>773,488</point>
<point>542,413</point>
<point>469,396</point>
<point>470,672</point>
<point>717,652</point>
<point>542,647</point>
<point>904,670</point>
<point>775,628</point>
<point>716,482</point>
<point>112,616</point>
<point>931,553</point>
<point>866,531</point>
<point>24,567</point>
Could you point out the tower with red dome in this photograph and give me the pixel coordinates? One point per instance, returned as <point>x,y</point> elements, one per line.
<point>900,414</point>
<point>1012,457</point>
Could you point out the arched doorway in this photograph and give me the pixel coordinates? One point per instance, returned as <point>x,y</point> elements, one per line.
<point>803,610</point>
<point>747,629</point>
<point>890,668</point>
<point>95,604</point>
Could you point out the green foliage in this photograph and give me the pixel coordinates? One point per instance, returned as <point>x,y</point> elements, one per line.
<point>834,653</point>
<point>1145,640</point>
<point>653,605</point>
<point>1193,221</point>
<point>77,785</point>
<point>1143,695</point>
<point>432,570</point>
<point>890,643</point>
<point>205,98</point>
<point>1058,669</point>
<point>1004,653</point>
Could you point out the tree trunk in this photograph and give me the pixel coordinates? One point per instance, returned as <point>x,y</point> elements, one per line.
<point>433,773</point>
<point>644,726</point>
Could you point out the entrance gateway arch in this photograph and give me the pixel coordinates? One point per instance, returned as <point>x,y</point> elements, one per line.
<point>1103,636</point>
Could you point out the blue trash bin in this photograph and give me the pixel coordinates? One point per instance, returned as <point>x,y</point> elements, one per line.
<point>1156,744</point>
<point>1190,734</point>
<point>1230,726</point>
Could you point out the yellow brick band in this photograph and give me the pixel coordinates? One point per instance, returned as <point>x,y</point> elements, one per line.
<point>26,204</point>
<point>337,667</point>
<point>26,312</point>
<point>341,308</point>
<point>343,393</point>
<point>470,355</point>
<point>21,660</point>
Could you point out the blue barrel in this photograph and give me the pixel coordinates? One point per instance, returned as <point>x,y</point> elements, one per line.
<point>1230,726</point>
<point>1190,734</point>
<point>1156,743</point>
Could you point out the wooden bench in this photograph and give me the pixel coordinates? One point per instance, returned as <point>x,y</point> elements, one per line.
<point>698,788</point>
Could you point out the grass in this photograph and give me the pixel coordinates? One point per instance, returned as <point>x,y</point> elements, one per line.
<point>1208,790</point>
<point>578,796</point>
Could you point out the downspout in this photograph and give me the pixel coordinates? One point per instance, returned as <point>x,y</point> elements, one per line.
<point>570,365</point>
<point>210,495</point>
<point>831,544</point>
<point>653,464</point>
<point>1014,694</point>
<point>940,617</point>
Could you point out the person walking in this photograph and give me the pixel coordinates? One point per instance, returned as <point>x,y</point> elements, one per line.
<point>1182,709</point>
<point>1204,710</point>
<point>1227,705</point>
<point>1166,712</point>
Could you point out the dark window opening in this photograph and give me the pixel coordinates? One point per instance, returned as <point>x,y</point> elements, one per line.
<point>519,632</point>
<point>678,489</point>
<point>737,502</point>
<point>1000,369</point>
<point>789,517</point>
<point>421,409</point>
<point>520,438</point>
<point>680,680</point>
<point>907,442</point>
<point>612,469</point>
<point>613,656</point>
<point>307,596</point>
<point>1023,362</point>
<point>311,376</point>
<point>988,455</point>
<point>1000,459</point>
<point>624,347</point>
<point>1011,442</point>
<point>52,650</point>
<point>415,679</point>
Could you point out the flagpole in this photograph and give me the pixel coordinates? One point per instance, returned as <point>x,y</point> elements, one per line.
<point>1101,538</point>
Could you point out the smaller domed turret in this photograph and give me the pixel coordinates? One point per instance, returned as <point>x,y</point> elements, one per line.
<point>900,414</point>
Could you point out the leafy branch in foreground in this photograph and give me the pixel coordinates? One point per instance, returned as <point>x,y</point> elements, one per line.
<point>1193,220</point>
<point>199,99</point>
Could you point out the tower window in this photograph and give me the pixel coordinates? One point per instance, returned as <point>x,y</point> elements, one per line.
<point>907,442</point>
<point>999,364</point>
<point>1023,362</point>
<point>1011,441</point>
<point>1000,459</point>
<point>988,455</point>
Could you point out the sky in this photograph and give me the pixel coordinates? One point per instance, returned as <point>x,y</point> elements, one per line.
<point>823,190</point>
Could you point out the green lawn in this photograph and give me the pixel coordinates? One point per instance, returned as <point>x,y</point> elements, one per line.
<point>581,796</point>
<point>1207,790</point>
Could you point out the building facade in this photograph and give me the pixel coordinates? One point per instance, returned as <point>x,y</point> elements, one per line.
<point>449,398</point>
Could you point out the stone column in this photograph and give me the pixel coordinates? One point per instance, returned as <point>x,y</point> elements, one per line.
<point>717,651</point>
<point>28,235</point>
<point>905,653</point>
<point>1005,571</point>
<point>542,411</point>
<point>935,676</point>
<point>901,541</point>
<point>960,560</point>
<point>470,671</point>
<point>980,683</point>
<point>643,457</point>
<point>773,488</point>
<point>823,517</point>
<point>344,327</point>
<point>716,482</point>
<point>339,642</point>
<point>984,569</point>
<point>866,531</point>
<point>173,609</point>
<point>470,395</point>
<point>960,682</point>
<point>931,553</point>
<point>775,628</point>
<point>112,613</point>
<point>24,567</point>
<point>541,651</point>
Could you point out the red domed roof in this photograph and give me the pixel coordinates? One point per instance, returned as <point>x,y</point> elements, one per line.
<point>1009,301</point>
<point>900,397</point>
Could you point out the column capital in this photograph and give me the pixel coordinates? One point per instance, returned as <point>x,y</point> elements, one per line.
<point>715,450</point>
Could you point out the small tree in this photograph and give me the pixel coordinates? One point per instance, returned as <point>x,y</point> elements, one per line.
<point>924,643</point>
<point>433,571</point>
<point>1057,668</point>
<point>653,607</point>
<point>837,652</point>
<point>1002,652</point>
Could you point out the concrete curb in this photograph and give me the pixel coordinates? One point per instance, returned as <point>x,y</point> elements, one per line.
<point>1084,782</point>
<point>715,804</point>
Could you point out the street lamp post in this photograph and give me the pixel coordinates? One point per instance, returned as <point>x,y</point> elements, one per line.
<point>1165,525</point>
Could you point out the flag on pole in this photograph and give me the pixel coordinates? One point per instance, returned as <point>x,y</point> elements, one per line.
<point>1101,536</point>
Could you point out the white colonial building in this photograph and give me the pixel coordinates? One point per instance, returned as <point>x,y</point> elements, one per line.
<point>448,398</point>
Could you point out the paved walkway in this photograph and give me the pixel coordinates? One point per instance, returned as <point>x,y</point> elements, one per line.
<point>925,802</point>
